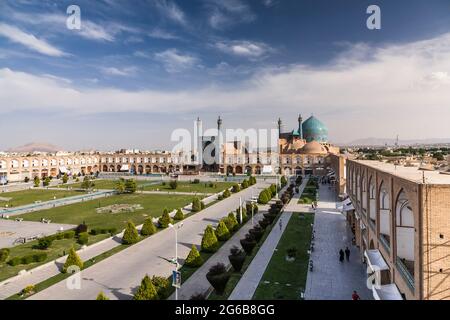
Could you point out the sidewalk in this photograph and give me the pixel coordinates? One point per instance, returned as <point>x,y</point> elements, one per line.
<point>246,287</point>
<point>197,282</point>
<point>331,279</point>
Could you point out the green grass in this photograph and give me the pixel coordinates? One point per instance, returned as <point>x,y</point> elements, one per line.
<point>24,197</point>
<point>58,249</point>
<point>184,186</point>
<point>100,184</point>
<point>298,235</point>
<point>153,205</point>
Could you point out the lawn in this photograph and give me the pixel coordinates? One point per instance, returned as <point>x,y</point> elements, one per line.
<point>185,186</point>
<point>153,205</point>
<point>101,184</point>
<point>24,197</point>
<point>286,279</point>
<point>57,249</point>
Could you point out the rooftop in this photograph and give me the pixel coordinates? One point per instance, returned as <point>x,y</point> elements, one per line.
<point>408,173</point>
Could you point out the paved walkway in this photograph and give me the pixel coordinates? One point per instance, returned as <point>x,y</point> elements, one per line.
<point>197,283</point>
<point>119,275</point>
<point>331,279</point>
<point>247,285</point>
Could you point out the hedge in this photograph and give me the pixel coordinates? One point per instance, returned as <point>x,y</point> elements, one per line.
<point>37,257</point>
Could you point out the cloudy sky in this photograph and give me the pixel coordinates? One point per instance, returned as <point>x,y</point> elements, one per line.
<point>139,69</point>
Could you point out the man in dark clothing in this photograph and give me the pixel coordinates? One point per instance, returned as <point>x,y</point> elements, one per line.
<point>355,296</point>
<point>341,255</point>
<point>347,254</point>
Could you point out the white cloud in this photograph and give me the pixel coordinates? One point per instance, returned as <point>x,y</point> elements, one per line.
<point>396,89</point>
<point>171,11</point>
<point>123,72</point>
<point>162,34</point>
<point>224,14</point>
<point>244,48</point>
<point>30,41</point>
<point>174,61</point>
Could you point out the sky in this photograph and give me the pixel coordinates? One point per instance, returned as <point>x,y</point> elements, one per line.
<point>137,70</point>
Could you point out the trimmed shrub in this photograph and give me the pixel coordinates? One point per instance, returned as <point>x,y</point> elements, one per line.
<point>248,244</point>
<point>45,243</point>
<point>146,290</point>
<point>4,254</point>
<point>130,186</point>
<point>283,181</point>
<point>257,232</point>
<point>264,223</point>
<point>194,259</point>
<point>218,277</point>
<point>148,228</point>
<point>173,184</point>
<point>28,290</point>
<point>162,287</point>
<point>81,228</point>
<point>273,190</point>
<point>236,188</point>
<point>164,220</point>
<point>83,238</point>
<point>15,261</point>
<point>202,205</point>
<point>179,215</point>
<point>237,258</point>
<point>102,296</point>
<point>244,215</point>
<point>131,234</point>
<point>209,240</point>
<point>196,205</point>
<point>220,197</point>
<point>244,184</point>
<point>226,194</point>
<point>72,260</point>
<point>222,232</point>
<point>262,199</point>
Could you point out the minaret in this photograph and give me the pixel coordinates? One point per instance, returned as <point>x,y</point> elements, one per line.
<point>300,129</point>
<point>198,153</point>
<point>280,123</point>
<point>219,144</point>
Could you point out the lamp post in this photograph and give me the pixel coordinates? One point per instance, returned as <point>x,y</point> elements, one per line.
<point>175,228</point>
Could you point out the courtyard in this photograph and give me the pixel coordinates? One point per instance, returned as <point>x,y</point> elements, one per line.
<point>25,197</point>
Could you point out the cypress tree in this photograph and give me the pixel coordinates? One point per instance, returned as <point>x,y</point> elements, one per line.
<point>102,296</point>
<point>194,259</point>
<point>222,232</point>
<point>131,235</point>
<point>209,240</point>
<point>148,228</point>
<point>232,221</point>
<point>179,215</point>
<point>226,193</point>
<point>146,290</point>
<point>164,220</point>
<point>72,260</point>
<point>196,205</point>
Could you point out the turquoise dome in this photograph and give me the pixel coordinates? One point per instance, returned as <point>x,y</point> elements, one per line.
<point>314,130</point>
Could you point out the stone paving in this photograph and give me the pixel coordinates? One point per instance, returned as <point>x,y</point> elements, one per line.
<point>331,279</point>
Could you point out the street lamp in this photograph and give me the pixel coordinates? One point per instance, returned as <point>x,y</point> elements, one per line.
<point>175,228</point>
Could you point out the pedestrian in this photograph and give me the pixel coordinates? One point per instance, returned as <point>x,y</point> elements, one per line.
<point>347,253</point>
<point>281,225</point>
<point>341,255</point>
<point>355,296</point>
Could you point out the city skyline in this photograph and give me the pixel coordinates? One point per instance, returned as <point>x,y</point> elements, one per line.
<point>134,73</point>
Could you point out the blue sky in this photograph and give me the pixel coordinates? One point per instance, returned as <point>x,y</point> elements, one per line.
<point>139,69</point>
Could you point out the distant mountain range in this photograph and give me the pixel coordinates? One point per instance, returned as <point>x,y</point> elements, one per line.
<point>391,142</point>
<point>35,147</point>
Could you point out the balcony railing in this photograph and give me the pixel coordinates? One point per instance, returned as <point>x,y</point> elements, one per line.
<point>407,276</point>
<point>385,243</point>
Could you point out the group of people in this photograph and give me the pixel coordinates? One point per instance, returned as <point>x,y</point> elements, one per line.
<point>344,253</point>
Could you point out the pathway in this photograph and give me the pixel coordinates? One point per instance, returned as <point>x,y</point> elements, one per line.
<point>246,287</point>
<point>119,275</point>
<point>331,279</point>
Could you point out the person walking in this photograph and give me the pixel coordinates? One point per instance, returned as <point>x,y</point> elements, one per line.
<point>347,253</point>
<point>341,255</point>
<point>355,296</point>
<point>281,225</point>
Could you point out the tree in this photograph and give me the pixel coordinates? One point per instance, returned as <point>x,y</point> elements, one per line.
<point>273,190</point>
<point>65,178</point>
<point>120,186</point>
<point>196,205</point>
<point>72,260</point>
<point>162,286</point>
<point>173,184</point>
<point>236,188</point>
<point>194,259</point>
<point>283,181</point>
<point>148,227</point>
<point>262,199</point>
<point>245,184</point>
<point>179,215</point>
<point>209,240</point>
<point>232,222</point>
<point>146,290</point>
<point>165,219</point>
<point>36,181</point>
<point>226,193</point>
<point>46,182</point>
<point>222,232</point>
<point>131,235</point>
<point>130,186</point>
<point>87,183</point>
<point>102,296</point>
<point>244,215</point>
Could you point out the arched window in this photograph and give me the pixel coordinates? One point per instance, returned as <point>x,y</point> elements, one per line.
<point>405,236</point>
<point>385,215</point>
